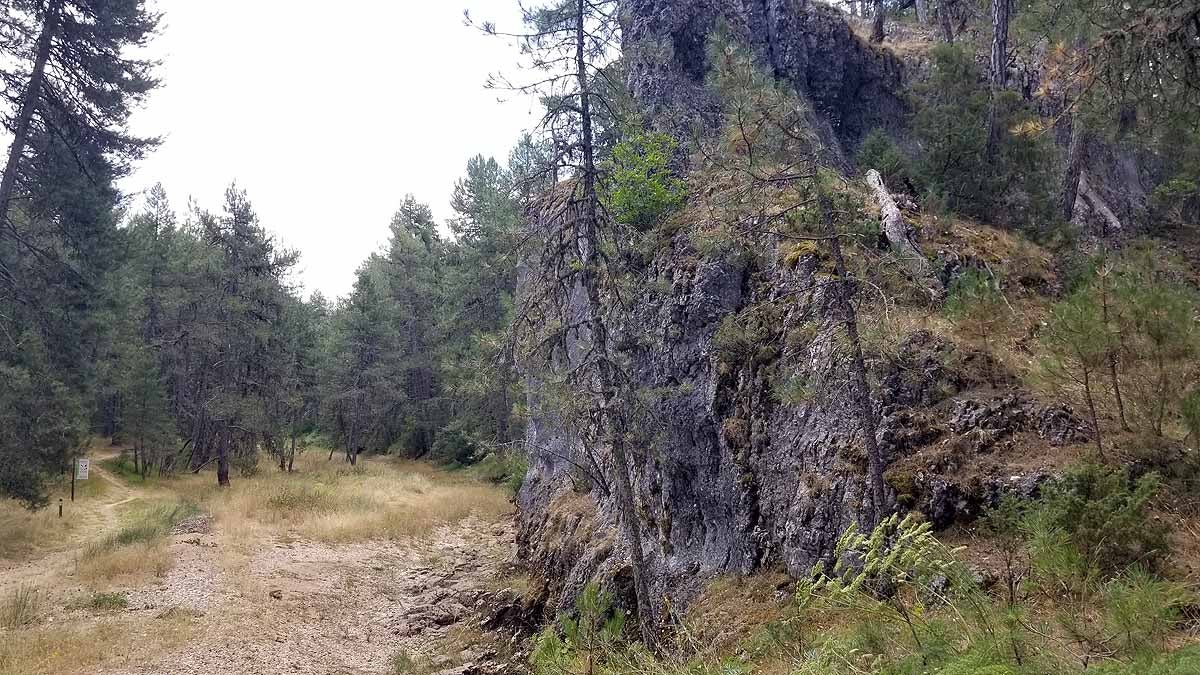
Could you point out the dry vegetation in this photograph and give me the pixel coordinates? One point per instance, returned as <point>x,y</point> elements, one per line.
<point>65,584</point>
<point>331,502</point>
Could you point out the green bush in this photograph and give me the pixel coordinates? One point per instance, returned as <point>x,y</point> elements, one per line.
<point>641,188</point>
<point>1104,515</point>
<point>951,125</point>
<point>105,602</point>
<point>455,445</point>
<point>503,468</point>
<point>591,636</point>
<point>880,152</point>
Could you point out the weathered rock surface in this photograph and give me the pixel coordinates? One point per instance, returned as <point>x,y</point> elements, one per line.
<point>852,86</point>
<point>752,459</point>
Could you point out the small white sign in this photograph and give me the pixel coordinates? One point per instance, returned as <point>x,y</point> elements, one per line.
<point>81,468</point>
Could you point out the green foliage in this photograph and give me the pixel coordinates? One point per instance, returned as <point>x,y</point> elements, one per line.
<point>105,602</point>
<point>580,644</point>
<point>146,525</point>
<point>641,189</point>
<point>951,126</point>
<point>1104,517</point>
<point>505,468</point>
<point>1142,610</point>
<point>973,295</point>
<point>878,151</point>
<point>1155,313</point>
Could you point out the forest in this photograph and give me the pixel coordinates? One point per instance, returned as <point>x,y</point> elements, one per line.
<point>797,337</point>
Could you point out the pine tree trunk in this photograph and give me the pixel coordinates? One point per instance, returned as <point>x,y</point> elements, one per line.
<point>860,389</point>
<point>943,11</point>
<point>922,11</point>
<point>1091,403</point>
<point>1076,151</point>
<point>611,413</point>
<point>877,22</point>
<point>29,104</point>
<point>223,459</point>
<point>998,73</point>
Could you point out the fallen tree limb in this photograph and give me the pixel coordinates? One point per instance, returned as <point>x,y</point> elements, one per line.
<point>897,233</point>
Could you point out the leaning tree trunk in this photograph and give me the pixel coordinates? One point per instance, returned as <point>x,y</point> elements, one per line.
<point>998,73</point>
<point>611,411</point>
<point>896,231</point>
<point>877,22</point>
<point>860,389</point>
<point>29,104</point>
<point>1076,151</point>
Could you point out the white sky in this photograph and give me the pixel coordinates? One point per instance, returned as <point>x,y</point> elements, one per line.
<point>327,113</point>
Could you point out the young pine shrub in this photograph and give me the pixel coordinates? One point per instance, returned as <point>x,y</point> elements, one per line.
<point>1095,523</point>
<point>583,644</point>
<point>1157,319</point>
<point>976,305</point>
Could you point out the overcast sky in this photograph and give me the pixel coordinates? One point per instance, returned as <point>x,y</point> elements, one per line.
<point>327,113</point>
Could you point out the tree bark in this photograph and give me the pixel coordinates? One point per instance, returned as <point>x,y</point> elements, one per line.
<point>223,459</point>
<point>860,389</point>
<point>1091,403</point>
<point>943,11</point>
<point>877,22</point>
<point>1076,151</point>
<point>922,11</point>
<point>998,71</point>
<point>29,104</point>
<point>611,412</point>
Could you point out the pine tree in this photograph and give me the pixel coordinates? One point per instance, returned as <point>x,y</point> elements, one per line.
<point>569,42</point>
<point>69,90</point>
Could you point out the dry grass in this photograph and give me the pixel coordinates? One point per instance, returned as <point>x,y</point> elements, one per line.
<point>331,502</point>
<point>126,564</point>
<point>138,549</point>
<point>733,609</point>
<point>66,648</point>
<point>24,532</point>
<point>20,607</point>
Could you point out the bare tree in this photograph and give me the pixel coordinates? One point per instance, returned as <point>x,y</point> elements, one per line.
<point>570,41</point>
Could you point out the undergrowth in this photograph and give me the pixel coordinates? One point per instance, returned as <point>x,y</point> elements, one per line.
<point>1077,593</point>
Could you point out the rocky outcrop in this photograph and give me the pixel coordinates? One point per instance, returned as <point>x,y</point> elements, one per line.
<point>853,86</point>
<point>746,451</point>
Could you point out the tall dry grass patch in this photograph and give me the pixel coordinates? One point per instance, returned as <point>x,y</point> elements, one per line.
<point>24,532</point>
<point>74,647</point>
<point>139,547</point>
<point>333,502</point>
<point>20,607</point>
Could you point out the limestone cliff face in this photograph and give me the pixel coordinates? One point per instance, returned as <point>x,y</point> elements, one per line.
<point>732,475</point>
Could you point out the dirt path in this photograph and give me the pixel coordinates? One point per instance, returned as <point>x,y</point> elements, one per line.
<point>91,520</point>
<point>305,607</point>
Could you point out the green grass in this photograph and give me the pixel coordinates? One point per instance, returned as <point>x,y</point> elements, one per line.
<point>145,525</point>
<point>102,602</point>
